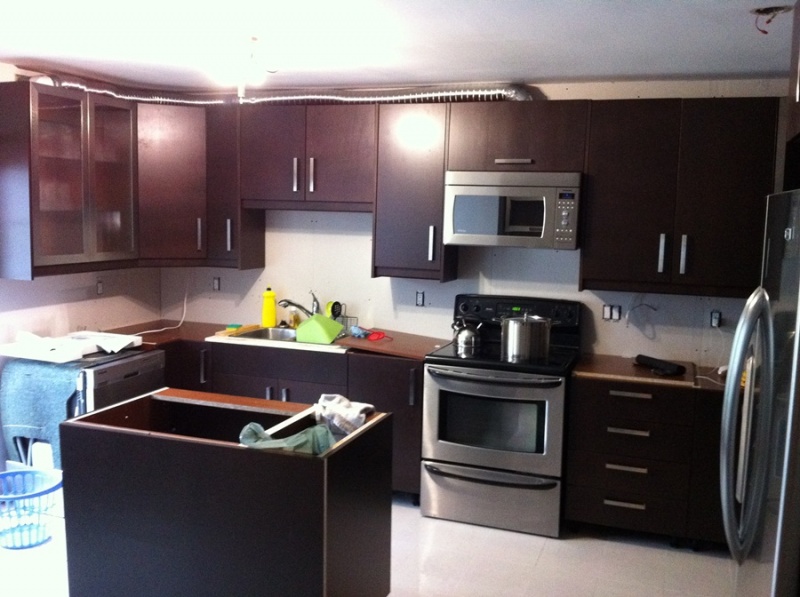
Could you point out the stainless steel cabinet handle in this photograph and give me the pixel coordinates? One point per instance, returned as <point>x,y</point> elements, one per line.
<point>623,394</point>
<point>284,394</point>
<point>412,387</point>
<point>310,175</point>
<point>684,241</point>
<point>513,161</point>
<point>228,235</point>
<point>199,234</point>
<point>203,356</point>
<point>294,175</point>
<point>624,431</point>
<point>431,240</point>
<point>268,393</point>
<point>628,505</point>
<point>639,470</point>
<point>662,245</point>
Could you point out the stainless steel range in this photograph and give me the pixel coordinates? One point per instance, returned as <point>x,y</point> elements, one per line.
<point>492,430</point>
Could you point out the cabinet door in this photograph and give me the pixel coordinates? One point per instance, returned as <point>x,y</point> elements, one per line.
<point>272,145</point>
<point>172,182</point>
<point>629,193</point>
<point>59,177</point>
<point>341,153</point>
<point>727,167</point>
<point>112,178</point>
<point>394,385</point>
<point>407,239</point>
<point>545,136</point>
<point>187,365</point>
<point>235,235</point>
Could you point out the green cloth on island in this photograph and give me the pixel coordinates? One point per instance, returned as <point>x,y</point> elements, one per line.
<point>313,440</point>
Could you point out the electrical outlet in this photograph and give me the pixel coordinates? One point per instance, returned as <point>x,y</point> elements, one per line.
<point>716,319</point>
<point>616,312</point>
<point>99,287</point>
<point>606,312</point>
<point>420,298</point>
<point>216,284</point>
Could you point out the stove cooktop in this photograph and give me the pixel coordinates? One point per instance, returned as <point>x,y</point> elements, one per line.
<point>489,311</point>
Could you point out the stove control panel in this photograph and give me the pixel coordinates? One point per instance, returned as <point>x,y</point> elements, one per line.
<point>483,307</point>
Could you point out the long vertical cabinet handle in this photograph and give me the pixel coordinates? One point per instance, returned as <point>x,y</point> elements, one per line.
<point>199,234</point>
<point>294,175</point>
<point>684,242</point>
<point>268,393</point>
<point>228,235</point>
<point>284,394</point>
<point>662,246</point>
<point>310,175</point>
<point>412,387</point>
<point>755,323</point>
<point>431,241</point>
<point>203,357</point>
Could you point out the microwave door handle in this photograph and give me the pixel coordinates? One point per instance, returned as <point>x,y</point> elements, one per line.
<point>492,478</point>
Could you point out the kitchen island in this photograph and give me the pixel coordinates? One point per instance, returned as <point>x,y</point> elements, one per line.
<point>161,499</point>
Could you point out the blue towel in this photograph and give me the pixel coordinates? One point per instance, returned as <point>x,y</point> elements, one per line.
<point>35,397</point>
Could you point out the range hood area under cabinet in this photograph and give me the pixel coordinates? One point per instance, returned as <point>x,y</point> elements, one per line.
<point>67,174</point>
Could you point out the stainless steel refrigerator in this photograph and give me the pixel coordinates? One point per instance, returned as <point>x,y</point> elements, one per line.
<point>759,459</point>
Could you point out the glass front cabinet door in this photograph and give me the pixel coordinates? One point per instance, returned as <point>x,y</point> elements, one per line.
<point>83,161</point>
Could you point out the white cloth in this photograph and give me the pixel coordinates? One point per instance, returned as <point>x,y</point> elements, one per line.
<point>340,414</point>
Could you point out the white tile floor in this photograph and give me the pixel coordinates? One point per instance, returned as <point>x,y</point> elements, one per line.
<point>438,558</point>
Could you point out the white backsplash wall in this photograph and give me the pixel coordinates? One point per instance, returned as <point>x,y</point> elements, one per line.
<point>56,305</point>
<point>331,254</point>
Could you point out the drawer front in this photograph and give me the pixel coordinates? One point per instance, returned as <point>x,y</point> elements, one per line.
<point>627,437</point>
<point>645,402</point>
<point>628,475</point>
<point>625,510</point>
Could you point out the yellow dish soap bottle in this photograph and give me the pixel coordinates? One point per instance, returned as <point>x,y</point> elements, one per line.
<point>268,316</point>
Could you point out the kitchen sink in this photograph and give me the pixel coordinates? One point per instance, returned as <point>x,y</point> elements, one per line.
<point>286,334</point>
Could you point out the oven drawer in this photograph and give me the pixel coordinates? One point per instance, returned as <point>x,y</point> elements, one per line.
<point>625,510</point>
<point>628,437</point>
<point>643,402</point>
<point>629,475</point>
<point>491,498</point>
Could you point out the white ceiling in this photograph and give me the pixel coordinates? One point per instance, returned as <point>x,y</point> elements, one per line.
<point>199,46</point>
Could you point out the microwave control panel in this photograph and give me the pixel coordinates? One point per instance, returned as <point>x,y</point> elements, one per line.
<point>566,219</point>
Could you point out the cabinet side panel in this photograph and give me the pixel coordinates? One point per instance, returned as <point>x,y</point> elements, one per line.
<point>16,259</point>
<point>150,515</point>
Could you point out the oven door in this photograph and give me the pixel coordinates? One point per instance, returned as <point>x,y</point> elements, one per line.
<point>494,419</point>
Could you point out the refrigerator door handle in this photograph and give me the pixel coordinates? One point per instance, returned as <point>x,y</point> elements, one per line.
<point>755,322</point>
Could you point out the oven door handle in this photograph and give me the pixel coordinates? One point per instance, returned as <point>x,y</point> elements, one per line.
<point>493,478</point>
<point>487,377</point>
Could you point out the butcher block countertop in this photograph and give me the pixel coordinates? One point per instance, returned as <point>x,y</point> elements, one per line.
<point>399,344</point>
<point>623,369</point>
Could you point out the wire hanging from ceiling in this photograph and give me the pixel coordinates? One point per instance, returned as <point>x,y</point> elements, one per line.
<point>770,12</point>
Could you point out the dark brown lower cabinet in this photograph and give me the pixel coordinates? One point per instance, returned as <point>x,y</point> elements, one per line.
<point>160,499</point>
<point>284,374</point>
<point>645,457</point>
<point>393,384</point>
<point>188,365</point>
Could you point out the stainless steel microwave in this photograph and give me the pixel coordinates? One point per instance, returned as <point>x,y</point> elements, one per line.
<point>513,209</point>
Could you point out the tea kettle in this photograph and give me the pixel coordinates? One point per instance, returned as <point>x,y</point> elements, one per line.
<point>467,335</point>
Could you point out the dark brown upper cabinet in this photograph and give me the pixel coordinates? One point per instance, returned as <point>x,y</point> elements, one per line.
<point>407,239</point>
<point>539,135</point>
<point>320,157</point>
<point>67,174</point>
<point>172,184</point>
<point>674,194</point>
<point>235,235</point>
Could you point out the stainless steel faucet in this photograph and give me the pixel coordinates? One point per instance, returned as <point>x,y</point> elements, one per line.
<point>314,305</point>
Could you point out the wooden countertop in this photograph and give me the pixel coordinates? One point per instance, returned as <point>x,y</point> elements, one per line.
<point>615,368</point>
<point>400,344</point>
<point>397,344</point>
